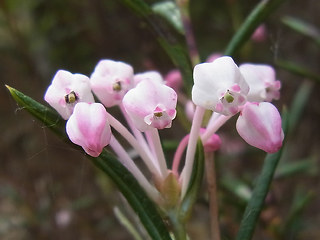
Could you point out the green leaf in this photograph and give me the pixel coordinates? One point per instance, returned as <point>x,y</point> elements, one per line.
<point>194,185</point>
<point>298,70</point>
<point>126,183</point>
<point>170,40</point>
<point>49,117</point>
<point>303,28</point>
<point>258,15</point>
<point>255,205</point>
<point>171,12</point>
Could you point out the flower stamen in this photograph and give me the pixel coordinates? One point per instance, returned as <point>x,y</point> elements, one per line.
<point>71,97</point>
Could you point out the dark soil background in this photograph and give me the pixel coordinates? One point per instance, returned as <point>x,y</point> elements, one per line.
<point>49,191</point>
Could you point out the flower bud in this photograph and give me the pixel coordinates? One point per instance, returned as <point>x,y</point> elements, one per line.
<point>151,105</point>
<point>219,86</point>
<point>66,90</point>
<point>174,80</point>
<point>213,143</point>
<point>111,80</point>
<point>262,82</point>
<point>88,127</point>
<point>259,124</point>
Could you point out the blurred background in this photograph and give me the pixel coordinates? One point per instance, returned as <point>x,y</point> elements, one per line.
<point>49,191</point>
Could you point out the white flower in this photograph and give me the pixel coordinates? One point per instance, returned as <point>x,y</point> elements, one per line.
<point>66,90</point>
<point>111,80</point>
<point>262,82</point>
<point>219,86</point>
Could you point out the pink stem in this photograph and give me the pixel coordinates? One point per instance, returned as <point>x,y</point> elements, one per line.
<point>191,149</point>
<point>178,154</point>
<point>125,159</point>
<point>155,139</point>
<point>135,144</point>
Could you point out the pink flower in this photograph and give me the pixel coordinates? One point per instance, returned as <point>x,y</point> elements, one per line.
<point>219,86</point>
<point>260,34</point>
<point>88,128</point>
<point>66,90</point>
<point>111,80</point>
<point>262,82</point>
<point>151,105</point>
<point>259,124</point>
<point>174,80</point>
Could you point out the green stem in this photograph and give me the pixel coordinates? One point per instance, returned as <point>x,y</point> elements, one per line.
<point>178,227</point>
<point>255,205</point>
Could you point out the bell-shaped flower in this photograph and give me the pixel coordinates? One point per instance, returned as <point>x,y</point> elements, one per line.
<point>154,75</point>
<point>88,127</point>
<point>219,86</point>
<point>259,124</point>
<point>262,82</point>
<point>151,105</point>
<point>66,90</point>
<point>111,80</point>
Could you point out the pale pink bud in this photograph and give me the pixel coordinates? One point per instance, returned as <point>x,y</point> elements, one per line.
<point>219,86</point>
<point>259,124</point>
<point>151,105</point>
<point>213,57</point>
<point>260,34</point>
<point>174,80</point>
<point>88,128</point>
<point>66,90</point>
<point>111,80</point>
<point>262,82</point>
<point>189,109</point>
<point>154,75</point>
<point>213,143</point>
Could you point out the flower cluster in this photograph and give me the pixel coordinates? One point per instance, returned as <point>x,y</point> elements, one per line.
<point>148,103</point>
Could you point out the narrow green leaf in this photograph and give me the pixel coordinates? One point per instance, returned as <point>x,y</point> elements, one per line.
<point>170,40</point>
<point>126,183</point>
<point>135,195</point>
<point>303,28</point>
<point>169,11</point>
<point>49,117</point>
<point>259,14</point>
<point>298,70</point>
<point>194,185</point>
<point>307,165</point>
<point>299,103</point>
<point>255,205</point>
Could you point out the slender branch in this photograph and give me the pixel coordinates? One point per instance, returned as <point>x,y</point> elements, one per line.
<point>213,197</point>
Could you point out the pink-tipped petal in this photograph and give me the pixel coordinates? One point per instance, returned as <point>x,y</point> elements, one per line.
<point>259,124</point>
<point>88,128</point>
